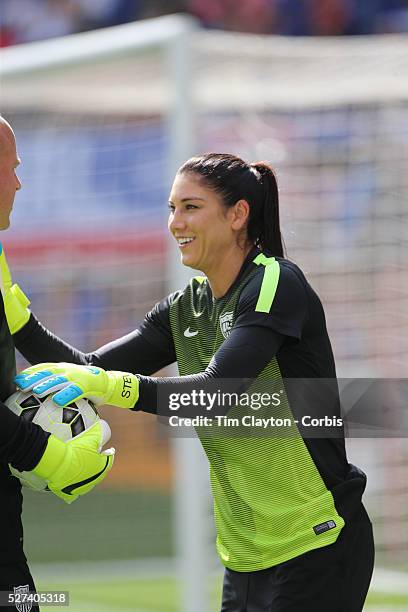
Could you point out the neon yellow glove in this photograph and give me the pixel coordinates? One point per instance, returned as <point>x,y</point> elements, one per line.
<point>15,302</point>
<point>75,381</point>
<point>75,467</point>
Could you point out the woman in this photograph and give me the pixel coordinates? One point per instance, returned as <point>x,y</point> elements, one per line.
<point>291,529</point>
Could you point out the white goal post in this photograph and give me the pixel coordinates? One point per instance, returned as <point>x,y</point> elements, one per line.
<point>121,108</point>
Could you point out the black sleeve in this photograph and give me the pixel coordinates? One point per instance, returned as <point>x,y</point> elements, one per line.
<point>289,308</point>
<point>21,443</point>
<point>257,344</point>
<point>145,350</point>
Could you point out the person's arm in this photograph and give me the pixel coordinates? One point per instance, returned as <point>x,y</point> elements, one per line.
<point>257,344</point>
<point>21,443</point>
<point>70,468</point>
<point>146,350</point>
<point>254,341</point>
<point>137,392</point>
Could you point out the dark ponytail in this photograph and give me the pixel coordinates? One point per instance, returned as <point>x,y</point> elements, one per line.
<point>265,226</point>
<point>233,179</point>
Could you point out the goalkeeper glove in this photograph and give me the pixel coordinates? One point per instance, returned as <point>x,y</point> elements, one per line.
<point>75,381</point>
<point>73,468</point>
<point>15,302</point>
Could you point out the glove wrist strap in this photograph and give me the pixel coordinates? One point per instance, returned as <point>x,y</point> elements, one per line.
<point>52,458</point>
<point>123,389</point>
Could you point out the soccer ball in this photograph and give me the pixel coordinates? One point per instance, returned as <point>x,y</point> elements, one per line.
<point>64,423</point>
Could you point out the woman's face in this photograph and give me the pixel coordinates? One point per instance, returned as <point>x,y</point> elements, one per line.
<point>204,229</point>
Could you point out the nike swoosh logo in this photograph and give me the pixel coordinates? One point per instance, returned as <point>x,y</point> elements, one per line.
<point>71,488</point>
<point>190,334</point>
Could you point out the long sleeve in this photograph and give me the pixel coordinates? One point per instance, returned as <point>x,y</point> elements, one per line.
<point>150,347</point>
<point>21,443</point>
<point>226,364</point>
<point>145,350</point>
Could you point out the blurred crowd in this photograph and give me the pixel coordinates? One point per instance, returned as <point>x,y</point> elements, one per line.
<point>29,20</point>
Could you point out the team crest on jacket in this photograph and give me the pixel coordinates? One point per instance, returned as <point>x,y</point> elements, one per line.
<point>20,592</point>
<point>226,323</point>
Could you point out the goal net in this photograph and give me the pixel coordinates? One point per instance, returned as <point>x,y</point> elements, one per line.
<point>102,121</point>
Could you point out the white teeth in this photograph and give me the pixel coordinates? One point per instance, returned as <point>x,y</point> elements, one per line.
<point>184,240</point>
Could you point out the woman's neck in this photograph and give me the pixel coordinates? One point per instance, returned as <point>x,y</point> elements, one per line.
<point>226,271</point>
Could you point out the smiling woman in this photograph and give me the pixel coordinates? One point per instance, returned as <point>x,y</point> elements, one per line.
<point>206,232</point>
<point>292,532</point>
<point>215,216</point>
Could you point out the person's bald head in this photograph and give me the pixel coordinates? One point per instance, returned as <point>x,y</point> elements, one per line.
<point>6,132</point>
<point>9,182</point>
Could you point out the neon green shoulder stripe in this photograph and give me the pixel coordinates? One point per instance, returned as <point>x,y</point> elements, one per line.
<point>263,260</point>
<point>269,282</point>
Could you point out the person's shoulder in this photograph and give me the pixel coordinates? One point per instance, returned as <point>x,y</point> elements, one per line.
<point>287,275</point>
<point>289,266</point>
<point>290,272</point>
<point>275,296</point>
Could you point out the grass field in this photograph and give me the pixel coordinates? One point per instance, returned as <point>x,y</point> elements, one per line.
<point>113,552</point>
<point>161,595</point>
<point>104,525</point>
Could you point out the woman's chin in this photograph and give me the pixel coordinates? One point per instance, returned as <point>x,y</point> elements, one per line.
<point>189,261</point>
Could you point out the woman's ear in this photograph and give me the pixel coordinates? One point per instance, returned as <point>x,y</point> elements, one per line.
<point>240,212</point>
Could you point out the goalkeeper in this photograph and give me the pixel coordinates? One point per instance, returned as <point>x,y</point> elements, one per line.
<point>71,469</point>
<point>292,532</point>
